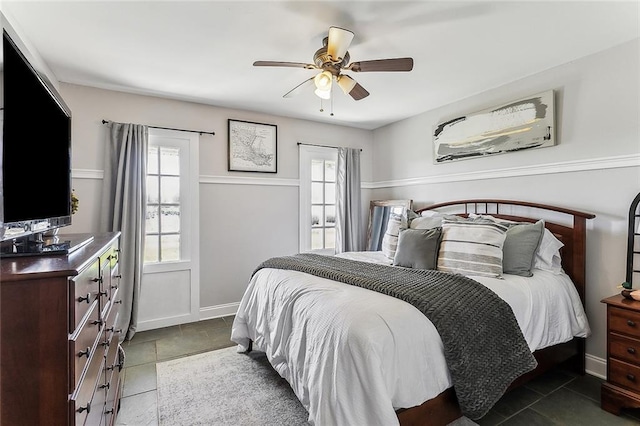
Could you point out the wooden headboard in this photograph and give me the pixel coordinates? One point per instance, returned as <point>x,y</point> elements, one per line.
<point>573,237</point>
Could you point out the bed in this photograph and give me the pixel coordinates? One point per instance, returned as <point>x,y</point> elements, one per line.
<point>360,343</point>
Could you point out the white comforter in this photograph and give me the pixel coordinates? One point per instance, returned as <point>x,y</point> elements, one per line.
<point>353,356</point>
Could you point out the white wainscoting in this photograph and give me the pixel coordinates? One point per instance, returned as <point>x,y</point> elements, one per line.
<point>165,300</point>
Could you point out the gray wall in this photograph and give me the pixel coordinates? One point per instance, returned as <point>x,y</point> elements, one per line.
<point>594,168</point>
<point>241,223</point>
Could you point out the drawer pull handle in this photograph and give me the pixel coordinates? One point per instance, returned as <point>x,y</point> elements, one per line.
<point>87,298</point>
<point>117,276</point>
<point>117,301</point>
<point>97,280</point>
<point>631,377</point>
<point>97,322</point>
<point>87,408</point>
<point>109,411</point>
<point>105,344</point>
<point>631,323</point>
<point>110,329</point>
<point>631,350</point>
<point>105,386</point>
<point>84,353</point>
<point>102,293</point>
<point>114,285</point>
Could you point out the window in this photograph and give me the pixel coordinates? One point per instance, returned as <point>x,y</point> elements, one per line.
<point>162,242</point>
<point>169,199</point>
<point>317,199</point>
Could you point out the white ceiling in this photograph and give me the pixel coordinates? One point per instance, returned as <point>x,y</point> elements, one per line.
<point>204,51</point>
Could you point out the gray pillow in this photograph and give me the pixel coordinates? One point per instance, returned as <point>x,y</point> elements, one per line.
<point>519,249</point>
<point>418,248</point>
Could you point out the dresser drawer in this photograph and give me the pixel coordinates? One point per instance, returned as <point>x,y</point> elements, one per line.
<point>624,348</point>
<point>624,374</point>
<point>115,279</point>
<point>111,322</point>
<point>81,402</point>
<point>83,291</point>
<point>113,399</point>
<point>624,321</point>
<point>82,345</point>
<point>95,416</point>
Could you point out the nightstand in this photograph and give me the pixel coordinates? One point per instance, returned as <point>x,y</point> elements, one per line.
<point>622,388</point>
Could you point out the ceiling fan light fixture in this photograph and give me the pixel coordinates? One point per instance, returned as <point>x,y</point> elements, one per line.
<point>346,83</point>
<point>338,43</point>
<point>323,94</point>
<point>323,81</point>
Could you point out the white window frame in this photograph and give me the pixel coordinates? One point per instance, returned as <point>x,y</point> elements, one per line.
<point>308,153</point>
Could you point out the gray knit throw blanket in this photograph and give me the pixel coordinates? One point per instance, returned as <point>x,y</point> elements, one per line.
<point>483,344</point>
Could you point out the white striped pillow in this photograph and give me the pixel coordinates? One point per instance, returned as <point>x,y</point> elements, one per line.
<point>395,223</point>
<point>472,247</point>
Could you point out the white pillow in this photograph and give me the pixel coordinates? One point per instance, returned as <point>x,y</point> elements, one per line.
<point>395,223</point>
<point>547,256</point>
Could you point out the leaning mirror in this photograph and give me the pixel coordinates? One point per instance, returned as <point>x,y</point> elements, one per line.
<point>379,211</point>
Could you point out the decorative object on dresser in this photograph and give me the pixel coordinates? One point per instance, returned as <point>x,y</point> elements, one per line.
<point>61,355</point>
<point>622,388</point>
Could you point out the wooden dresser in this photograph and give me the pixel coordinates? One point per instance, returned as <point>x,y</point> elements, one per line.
<point>622,388</point>
<point>60,361</point>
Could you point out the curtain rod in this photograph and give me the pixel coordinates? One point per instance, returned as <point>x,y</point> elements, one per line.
<point>321,146</point>
<point>171,128</point>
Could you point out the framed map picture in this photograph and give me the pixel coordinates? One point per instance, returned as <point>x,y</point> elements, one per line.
<point>252,147</point>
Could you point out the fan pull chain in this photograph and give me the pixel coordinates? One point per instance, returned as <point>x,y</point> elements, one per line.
<point>331,114</point>
<point>321,109</point>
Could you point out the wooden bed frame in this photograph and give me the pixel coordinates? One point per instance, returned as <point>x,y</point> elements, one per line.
<point>444,408</point>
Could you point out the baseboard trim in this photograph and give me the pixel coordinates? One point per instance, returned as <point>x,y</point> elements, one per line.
<point>596,366</point>
<point>217,311</point>
<point>165,322</point>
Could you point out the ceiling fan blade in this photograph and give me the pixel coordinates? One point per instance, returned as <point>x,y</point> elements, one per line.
<point>358,92</point>
<point>351,87</point>
<point>339,42</point>
<point>293,92</point>
<point>284,64</point>
<point>395,64</point>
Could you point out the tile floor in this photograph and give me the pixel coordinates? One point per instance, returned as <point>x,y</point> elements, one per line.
<point>557,398</point>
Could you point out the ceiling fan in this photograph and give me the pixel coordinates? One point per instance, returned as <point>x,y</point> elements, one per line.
<point>333,58</point>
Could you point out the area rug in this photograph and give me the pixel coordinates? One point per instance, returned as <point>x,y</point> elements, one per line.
<point>224,387</point>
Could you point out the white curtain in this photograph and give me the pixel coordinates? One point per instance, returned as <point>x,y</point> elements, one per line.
<point>348,201</point>
<point>123,207</point>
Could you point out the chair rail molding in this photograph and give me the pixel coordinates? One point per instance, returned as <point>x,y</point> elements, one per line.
<point>614,162</point>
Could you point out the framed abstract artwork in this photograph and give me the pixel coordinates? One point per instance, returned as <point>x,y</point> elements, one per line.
<point>522,124</point>
<point>253,147</point>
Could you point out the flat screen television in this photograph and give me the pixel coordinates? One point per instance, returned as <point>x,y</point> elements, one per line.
<point>36,152</point>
